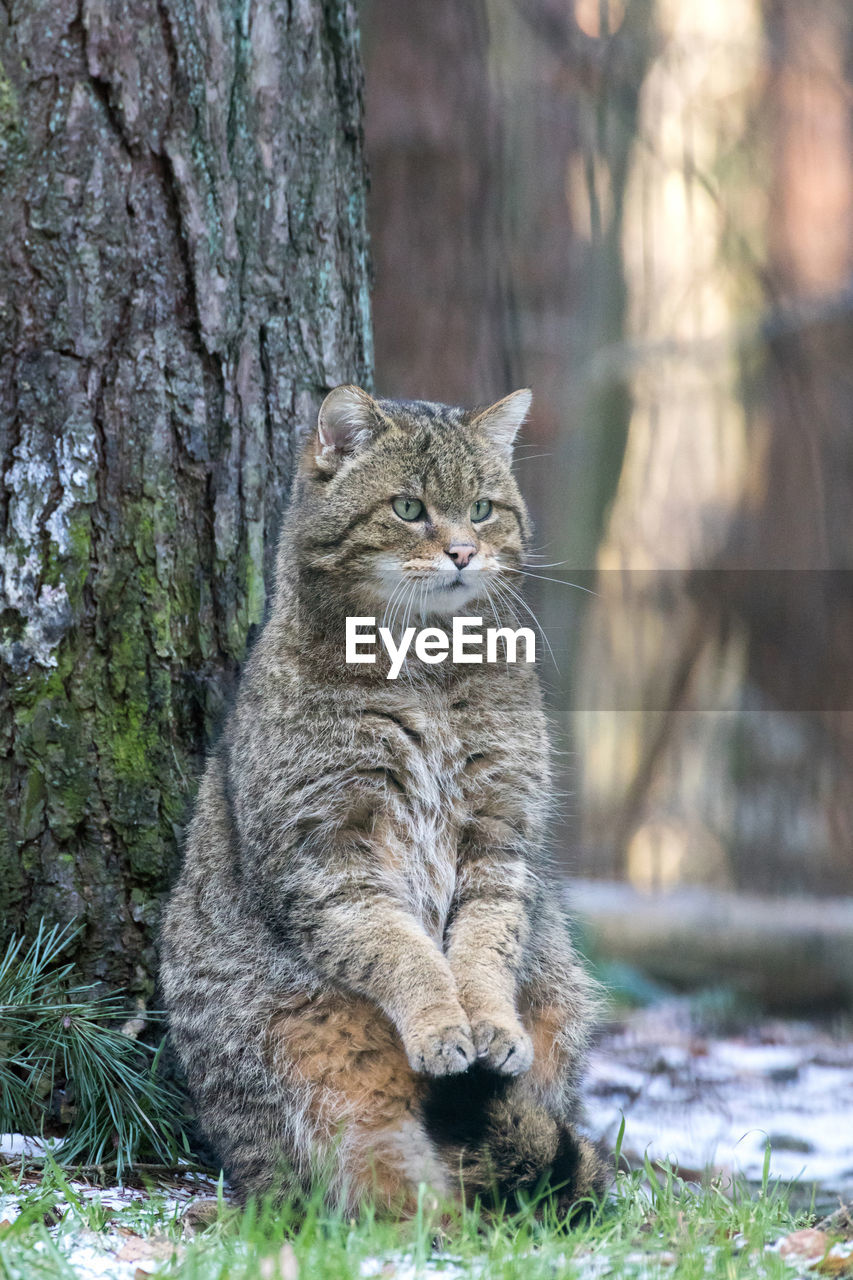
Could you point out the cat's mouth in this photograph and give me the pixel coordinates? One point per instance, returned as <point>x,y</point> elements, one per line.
<point>434,589</point>
<point>443,580</point>
<point>448,592</point>
<point>455,580</point>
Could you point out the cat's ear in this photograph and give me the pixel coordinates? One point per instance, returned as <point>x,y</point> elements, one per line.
<point>348,420</point>
<point>500,422</point>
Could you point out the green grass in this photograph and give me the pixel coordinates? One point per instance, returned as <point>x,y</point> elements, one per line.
<point>652,1225</point>
<point>61,1040</point>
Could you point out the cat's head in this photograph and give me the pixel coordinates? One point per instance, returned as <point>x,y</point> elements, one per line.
<point>411,503</point>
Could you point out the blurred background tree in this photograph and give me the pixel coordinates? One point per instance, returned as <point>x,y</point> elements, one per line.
<point>666,234</point>
<point>642,208</point>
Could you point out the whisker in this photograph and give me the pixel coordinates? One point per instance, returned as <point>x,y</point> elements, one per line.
<point>384,621</point>
<point>540,550</point>
<point>416,584</point>
<point>408,610</point>
<point>542,578</point>
<point>401,582</point>
<point>509,596</point>
<point>492,606</point>
<point>525,605</point>
<point>553,564</point>
<point>416,594</point>
<point>404,604</point>
<point>405,670</point>
<point>408,587</point>
<point>490,599</point>
<point>504,599</point>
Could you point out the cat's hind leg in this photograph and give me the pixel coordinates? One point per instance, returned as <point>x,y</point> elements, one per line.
<point>557,1006</point>
<point>363,1135</point>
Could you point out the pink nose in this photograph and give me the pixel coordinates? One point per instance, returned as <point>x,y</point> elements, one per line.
<point>461,553</point>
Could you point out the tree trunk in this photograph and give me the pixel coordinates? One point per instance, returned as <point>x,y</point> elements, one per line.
<point>715,696</point>
<point>184,277</point>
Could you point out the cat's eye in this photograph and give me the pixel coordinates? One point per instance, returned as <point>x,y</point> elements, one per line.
<point>481,508</point>
<point>408,508</point>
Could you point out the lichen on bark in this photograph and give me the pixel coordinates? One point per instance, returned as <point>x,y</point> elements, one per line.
<point>187,274</point>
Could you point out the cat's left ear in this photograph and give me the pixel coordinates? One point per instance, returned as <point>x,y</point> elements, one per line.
<point>500,422</point>
<point>348,420</point>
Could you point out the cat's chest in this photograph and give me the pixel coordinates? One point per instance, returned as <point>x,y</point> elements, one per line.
<point>441,757</point>
<point>437,766</point>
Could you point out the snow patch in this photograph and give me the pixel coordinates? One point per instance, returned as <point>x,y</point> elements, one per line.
<point>704,1101</point>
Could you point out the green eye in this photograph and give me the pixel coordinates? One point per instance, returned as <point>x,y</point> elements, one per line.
<point>481,508</point>
<point>408,508</point>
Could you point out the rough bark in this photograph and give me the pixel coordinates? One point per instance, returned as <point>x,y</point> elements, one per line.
<point>184,276</point>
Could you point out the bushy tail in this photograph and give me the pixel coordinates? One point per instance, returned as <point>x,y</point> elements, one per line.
<point>501,1141</point>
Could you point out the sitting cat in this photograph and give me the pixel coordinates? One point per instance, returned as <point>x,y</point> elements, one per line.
<point>366,961</point>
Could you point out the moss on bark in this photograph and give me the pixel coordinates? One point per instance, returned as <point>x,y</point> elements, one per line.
<point>184,201</point>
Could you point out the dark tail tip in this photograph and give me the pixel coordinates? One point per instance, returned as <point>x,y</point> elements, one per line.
<point>580,1174</point>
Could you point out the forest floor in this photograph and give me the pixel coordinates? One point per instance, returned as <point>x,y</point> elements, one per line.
<point>735,1146</point>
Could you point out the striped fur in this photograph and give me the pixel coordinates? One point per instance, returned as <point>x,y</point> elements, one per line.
<point>368,972</point>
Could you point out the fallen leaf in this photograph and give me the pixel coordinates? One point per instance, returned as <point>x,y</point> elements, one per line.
<point>812,1248</point>
<point>839,1261</point>
<point>806,1244</point>
<point>147,1249</point>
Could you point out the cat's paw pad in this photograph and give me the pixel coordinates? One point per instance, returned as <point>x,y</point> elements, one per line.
<point>504,1048</point>
<point>440,1050</point>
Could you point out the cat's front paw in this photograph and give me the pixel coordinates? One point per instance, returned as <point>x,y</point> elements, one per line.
<point>439,1049</point>
<point>506,1048</point>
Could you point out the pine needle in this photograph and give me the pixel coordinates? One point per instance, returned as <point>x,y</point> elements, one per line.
<point>65,1064</point>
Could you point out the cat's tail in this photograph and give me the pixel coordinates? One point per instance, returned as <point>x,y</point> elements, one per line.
<point>506,1147</point>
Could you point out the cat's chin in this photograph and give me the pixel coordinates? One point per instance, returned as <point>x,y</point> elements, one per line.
<point>451,596</point>
<point>443,597</point>
<point>447,602</point>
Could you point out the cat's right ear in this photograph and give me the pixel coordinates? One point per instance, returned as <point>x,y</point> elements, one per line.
<point>348,420</point>
<point>500,422</point>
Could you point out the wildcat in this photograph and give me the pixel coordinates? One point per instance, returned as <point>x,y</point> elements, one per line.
<point>366,963</point>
